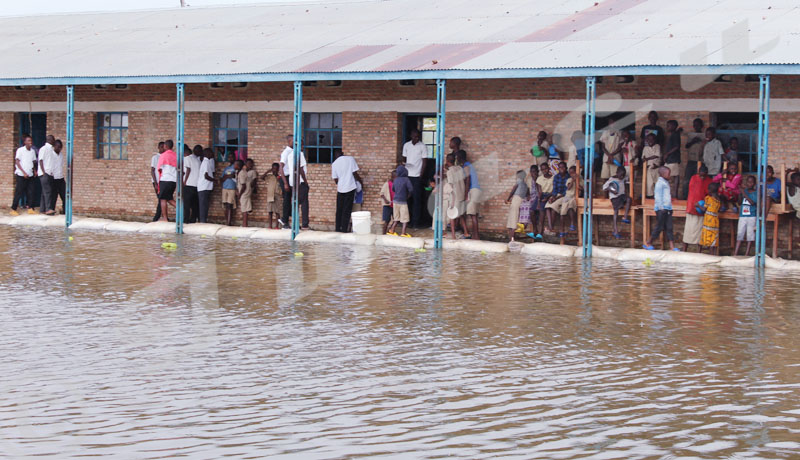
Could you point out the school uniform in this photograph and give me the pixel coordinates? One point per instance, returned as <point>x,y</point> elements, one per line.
<point>24,185</point>
<point>611,140</point>
<point>272,184</point>
<point>652,166</point>
<point>244,181</point>
<point>204,189</point>
<point>387,194</point>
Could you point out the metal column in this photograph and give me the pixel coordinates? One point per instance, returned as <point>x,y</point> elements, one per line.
<point>297,151</point>
<point>763,154</point>
<point>438,213</point>
<point>70,142</point>
<point>588,162</point>
<point>179,155</point>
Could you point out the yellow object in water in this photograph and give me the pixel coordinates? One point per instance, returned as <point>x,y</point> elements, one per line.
<point>483,253</point>
<point>169,246</point>
<point>234,237</point>
<point>298,254</point>
<point>420,250</point>
<point>520,228</point>
<point>71,238</point>
<point>648,262</point>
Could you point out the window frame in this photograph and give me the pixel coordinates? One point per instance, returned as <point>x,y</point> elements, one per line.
<point>312,150</point>
<point>121,129</point>
<point>241,127</point>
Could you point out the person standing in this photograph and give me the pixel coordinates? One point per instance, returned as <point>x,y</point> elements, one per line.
<point>672,155</point>
<point>651,128</point>
<point>205,184</point>
<point>191,171</point>
<point>285,172</point>
<point>416,153</point>
<point>344,171</point>
<point>168,179</point>
<point>24,160</point>
<point>473,197</point>
<point>713,152</point>
<point>154,177</point>
<point>694,151</point>
<point>45,163</point>
<point>59,184</point>
<point>302,183</point>
<point>611,144</point>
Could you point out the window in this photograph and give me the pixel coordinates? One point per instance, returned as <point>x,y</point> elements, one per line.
<point>230,134</point>
<point>112,136</point>
<point>744,127</point>
<point>322,133</point>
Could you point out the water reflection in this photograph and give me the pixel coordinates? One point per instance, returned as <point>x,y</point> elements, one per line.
<point>112,345</point>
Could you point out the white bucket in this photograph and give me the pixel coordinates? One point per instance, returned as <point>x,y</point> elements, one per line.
<point>362,222</point>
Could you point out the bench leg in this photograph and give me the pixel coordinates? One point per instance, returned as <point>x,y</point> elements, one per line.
<point>775,237</point>
<point>791,235</point>
<point>633,229</point>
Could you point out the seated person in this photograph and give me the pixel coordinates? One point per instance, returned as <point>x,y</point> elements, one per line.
<point>615,187</point>
<point>773,188</point>
<point>793,191</point>
<point>729,187</point>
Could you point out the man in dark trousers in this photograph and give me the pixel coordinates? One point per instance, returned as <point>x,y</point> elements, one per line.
<point>344,171</point>
<point>416,153</point>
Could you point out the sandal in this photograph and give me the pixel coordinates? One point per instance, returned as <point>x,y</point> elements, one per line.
<point>405,235</point>
<point>625,221</point>
<point>616,235</point>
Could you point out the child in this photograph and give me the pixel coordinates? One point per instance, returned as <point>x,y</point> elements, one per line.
<point>387,197</point>
<point>730,182</point>
<point>663,208</point>
<point>627,149</point>
<point>773,188</point>
<point>274,193</point>
<point>732,153</point>
<point>615,187</point>
<point>793,191</point>
<point>358,200</point>
<point>229,188</point>
<point>402,191</point>
<point>709,238</point>
<point>455,179</point>
<point>545,181</point>
<point>245,182</point>
<point>747,216</point>
<point>518,193</point>
<point>672,154</point>
<point>562,200</point>
<point>651,154</point>
<point>713,152</point>
<point>534,192</point>
<point>541,148</point>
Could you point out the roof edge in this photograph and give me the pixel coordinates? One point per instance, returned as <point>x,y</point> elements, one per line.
<point>452,74</point>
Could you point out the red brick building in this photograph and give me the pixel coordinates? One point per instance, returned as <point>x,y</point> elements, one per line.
<point>379,88</point>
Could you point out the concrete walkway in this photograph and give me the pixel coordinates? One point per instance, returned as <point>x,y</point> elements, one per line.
<point>416,243</point>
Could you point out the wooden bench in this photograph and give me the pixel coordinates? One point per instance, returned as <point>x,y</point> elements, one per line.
<point>603,207</point>
<point>679,210</point>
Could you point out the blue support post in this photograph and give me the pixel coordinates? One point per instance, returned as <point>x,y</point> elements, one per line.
<point>70,154</point>
<point>297,151</point>
<point>179,154</point>
<point>588,161</point>
<point>763,155</point>
<point>438,226</point>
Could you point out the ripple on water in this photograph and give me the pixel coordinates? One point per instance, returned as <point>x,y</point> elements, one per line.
<point>113,346</point>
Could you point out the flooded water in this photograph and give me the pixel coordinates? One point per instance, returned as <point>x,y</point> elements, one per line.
<point>113,346</point>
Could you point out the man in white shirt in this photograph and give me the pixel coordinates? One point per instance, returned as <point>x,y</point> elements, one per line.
<point>344,171</point>
<point>205,184</point>
<point>191,170</point>
<point>302,192</point>
<point>284,172</point>
<point>45,164</point>
<point>24,160</point>
<point>416,153</point>
<point>154,177</point>
<point>59,184</point>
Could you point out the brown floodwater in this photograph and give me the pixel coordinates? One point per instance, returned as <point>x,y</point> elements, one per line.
<point>113,346</point>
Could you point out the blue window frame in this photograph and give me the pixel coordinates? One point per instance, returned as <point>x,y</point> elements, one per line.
<point>322,134</point>
<point>230,135</point>
<point>112,135</point>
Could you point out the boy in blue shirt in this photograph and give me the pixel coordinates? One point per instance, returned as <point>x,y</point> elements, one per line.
<point>229,188</point>
<point>747,216</point>
<point>663,208</point>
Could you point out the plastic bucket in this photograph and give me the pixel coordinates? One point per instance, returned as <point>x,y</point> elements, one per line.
<point>362,222</point>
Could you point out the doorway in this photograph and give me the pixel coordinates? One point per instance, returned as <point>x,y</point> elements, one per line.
<point>35,124</point>
<point>425,123</point>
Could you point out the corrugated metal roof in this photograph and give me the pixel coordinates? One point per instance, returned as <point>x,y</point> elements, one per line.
<point>401,35</point>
